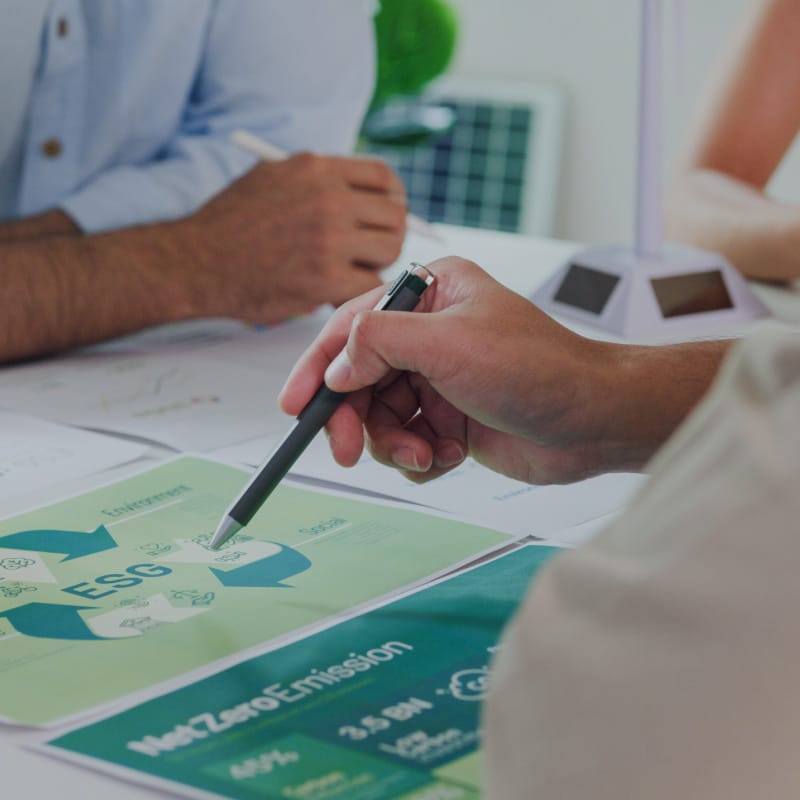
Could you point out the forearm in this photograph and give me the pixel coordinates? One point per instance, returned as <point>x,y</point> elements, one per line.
<point>66,291</point>
<point>636,396</point>
<point>50,223</point>
<point>759,236</point>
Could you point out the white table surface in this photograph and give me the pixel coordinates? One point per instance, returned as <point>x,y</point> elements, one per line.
<point>522,263</point>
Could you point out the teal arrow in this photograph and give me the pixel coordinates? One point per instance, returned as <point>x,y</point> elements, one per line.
<point>75,544</point>
<point>270,571</point>
<point>50,621</point>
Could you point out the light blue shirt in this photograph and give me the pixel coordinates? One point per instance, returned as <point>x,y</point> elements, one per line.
<point>133,100</point>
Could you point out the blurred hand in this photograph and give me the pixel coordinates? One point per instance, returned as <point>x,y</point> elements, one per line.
<point>482,372</point>
<point>294,234</point>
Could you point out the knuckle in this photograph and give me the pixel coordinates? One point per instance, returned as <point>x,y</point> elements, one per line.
<point>383,175</point>
<point>398,214</point>
<point>395,250</point>
<point>308,164</point>
<point>360,330</point>
<point>360,344</point>
<point>304,159</point>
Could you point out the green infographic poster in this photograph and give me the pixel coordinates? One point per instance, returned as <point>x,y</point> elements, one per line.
<point>113,591</point>
<point>384,706</point>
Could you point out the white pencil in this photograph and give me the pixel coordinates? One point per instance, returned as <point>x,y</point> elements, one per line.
<point>270,152</point>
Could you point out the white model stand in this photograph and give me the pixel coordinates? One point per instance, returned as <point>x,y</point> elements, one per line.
<point>654,290</point>
<point>680,291</point>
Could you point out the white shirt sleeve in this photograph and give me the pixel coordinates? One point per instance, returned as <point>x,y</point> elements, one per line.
<point>661,661</point>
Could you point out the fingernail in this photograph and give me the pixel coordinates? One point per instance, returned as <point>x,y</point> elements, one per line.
<point>449,454</point>
<point>338,370</point>
<point>406,458</point>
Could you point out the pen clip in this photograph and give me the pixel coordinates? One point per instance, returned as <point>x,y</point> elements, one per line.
<point>398,284</point>
<point>417,278</point>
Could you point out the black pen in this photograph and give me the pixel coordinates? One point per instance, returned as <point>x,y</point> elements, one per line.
<point>403,295</point>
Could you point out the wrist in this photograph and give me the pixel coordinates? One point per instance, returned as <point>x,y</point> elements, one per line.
<point>639,395</point>
<point>627,404</point>
<point>196,283</point>
<point>161,272</point>
<point>51,223</point>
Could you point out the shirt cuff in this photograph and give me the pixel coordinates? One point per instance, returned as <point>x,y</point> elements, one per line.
<point>160,192</point>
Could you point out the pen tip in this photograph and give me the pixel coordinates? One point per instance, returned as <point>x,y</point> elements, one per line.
<point>227,528</point>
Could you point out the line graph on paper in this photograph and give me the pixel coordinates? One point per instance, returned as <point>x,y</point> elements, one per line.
<point>186,401</point>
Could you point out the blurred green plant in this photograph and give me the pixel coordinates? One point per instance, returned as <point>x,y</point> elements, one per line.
<point>416,40</point>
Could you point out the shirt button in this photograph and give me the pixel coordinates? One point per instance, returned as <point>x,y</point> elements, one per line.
<point>62,27</point>
<point>51,148</point>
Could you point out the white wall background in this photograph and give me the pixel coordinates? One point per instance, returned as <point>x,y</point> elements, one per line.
<point>590,48</point>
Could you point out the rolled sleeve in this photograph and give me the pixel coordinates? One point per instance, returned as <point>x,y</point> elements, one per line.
<point>299,75</point>
<point>166,190</point>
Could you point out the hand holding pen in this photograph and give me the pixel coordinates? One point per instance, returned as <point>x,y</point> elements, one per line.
<point>482,373</point>
<point>291,235</point>
<point>270,152</point>
<point>403,295</point>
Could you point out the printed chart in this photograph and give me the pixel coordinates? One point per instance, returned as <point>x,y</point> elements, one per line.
<point>385,705</point>
<point>110,592</point>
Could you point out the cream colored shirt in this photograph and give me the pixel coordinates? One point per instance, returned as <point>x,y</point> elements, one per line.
<point>662,660</point>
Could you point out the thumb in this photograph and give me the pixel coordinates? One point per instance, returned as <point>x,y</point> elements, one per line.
<point>380,342</point>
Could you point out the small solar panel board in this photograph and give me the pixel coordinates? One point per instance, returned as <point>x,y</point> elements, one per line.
<point>495,167</point>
